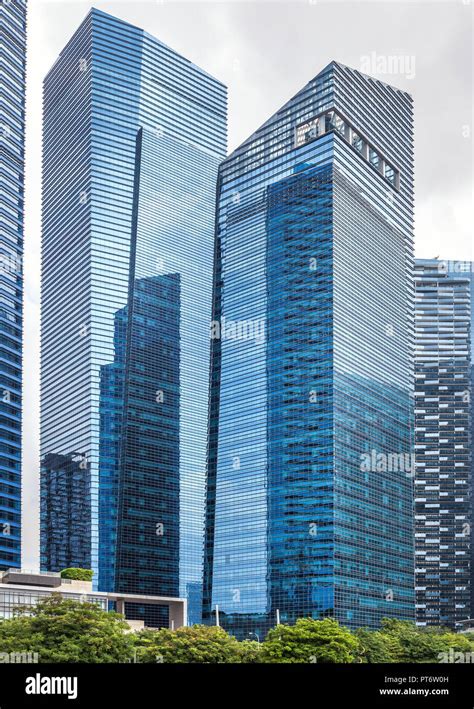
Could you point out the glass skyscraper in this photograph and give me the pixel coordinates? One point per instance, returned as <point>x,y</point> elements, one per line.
<point>310,469</point>
<point>444,365</point>
<point>133,136</point>
<point>12,153</point>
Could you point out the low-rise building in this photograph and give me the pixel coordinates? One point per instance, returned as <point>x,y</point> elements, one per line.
<point>20,587</point>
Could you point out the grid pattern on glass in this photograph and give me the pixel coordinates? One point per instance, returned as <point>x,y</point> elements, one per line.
<point>163,428</point>
<point>12,153</point>
<point>24,598</point>
<point>373,411</point>
<point>300,396</point>
<point>65,512</point>
<point>111,80</point>
<point>270,394</point>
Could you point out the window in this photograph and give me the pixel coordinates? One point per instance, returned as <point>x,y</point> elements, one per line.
<point>357,142</point>
<point>389,173</point>
<point>374,158</point>
<point>329,121</point>
<point>340,126</point>
<point>307,132</point>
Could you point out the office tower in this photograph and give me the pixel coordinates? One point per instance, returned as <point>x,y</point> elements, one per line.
<point>443,436</point>
<point>465,269</point>
<point>310,481</point>
<point>133,136</point>
<point>12,155</point>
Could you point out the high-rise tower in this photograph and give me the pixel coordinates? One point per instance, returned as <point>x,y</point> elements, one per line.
<point>12,155</point>
<point>310,471</point>
<point>444,363</point>
<point>133,135</point>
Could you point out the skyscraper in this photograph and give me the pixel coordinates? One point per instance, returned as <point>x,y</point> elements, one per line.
<point>310,470</point>
<point>133,136</point>
<point>443,417</point>
<point>465,269</point>
<point>12,154</point>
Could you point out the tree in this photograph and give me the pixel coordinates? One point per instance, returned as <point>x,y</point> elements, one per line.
<point>423,644</point>
<point>310,641</point>
<point>62,630</point>
<point>376,646</point>
<point>77,574</point>
<point>194,644</point>
<point>250,652</point>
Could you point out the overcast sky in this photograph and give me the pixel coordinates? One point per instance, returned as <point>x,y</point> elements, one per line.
<point>265,52</point>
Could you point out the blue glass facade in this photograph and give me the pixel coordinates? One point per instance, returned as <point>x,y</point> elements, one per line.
<point>65,497</point>
<point>12,152</point>
<point>310,469</point>
<point>139,132</point>
<point>444,428</point>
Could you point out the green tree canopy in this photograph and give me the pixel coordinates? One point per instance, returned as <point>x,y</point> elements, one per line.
<point>62,630</point>
<point>194,644</point>
<point>310,641</point>
<point>376,646</point>
<point>250,652</point>
<point>77,574</point>
<point>422,644</point>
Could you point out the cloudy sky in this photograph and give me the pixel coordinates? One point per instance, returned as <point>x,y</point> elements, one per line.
<point>265,52</point>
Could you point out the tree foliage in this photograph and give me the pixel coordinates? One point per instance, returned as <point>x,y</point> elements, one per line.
<point>376,646</point>
<point>413,644</point>
<point>62,630</point>
<point>77,574</point>
<point>195,644</point>
<point>310,641</point>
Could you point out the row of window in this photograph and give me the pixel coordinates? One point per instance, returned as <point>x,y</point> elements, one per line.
<point>332,121</point>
